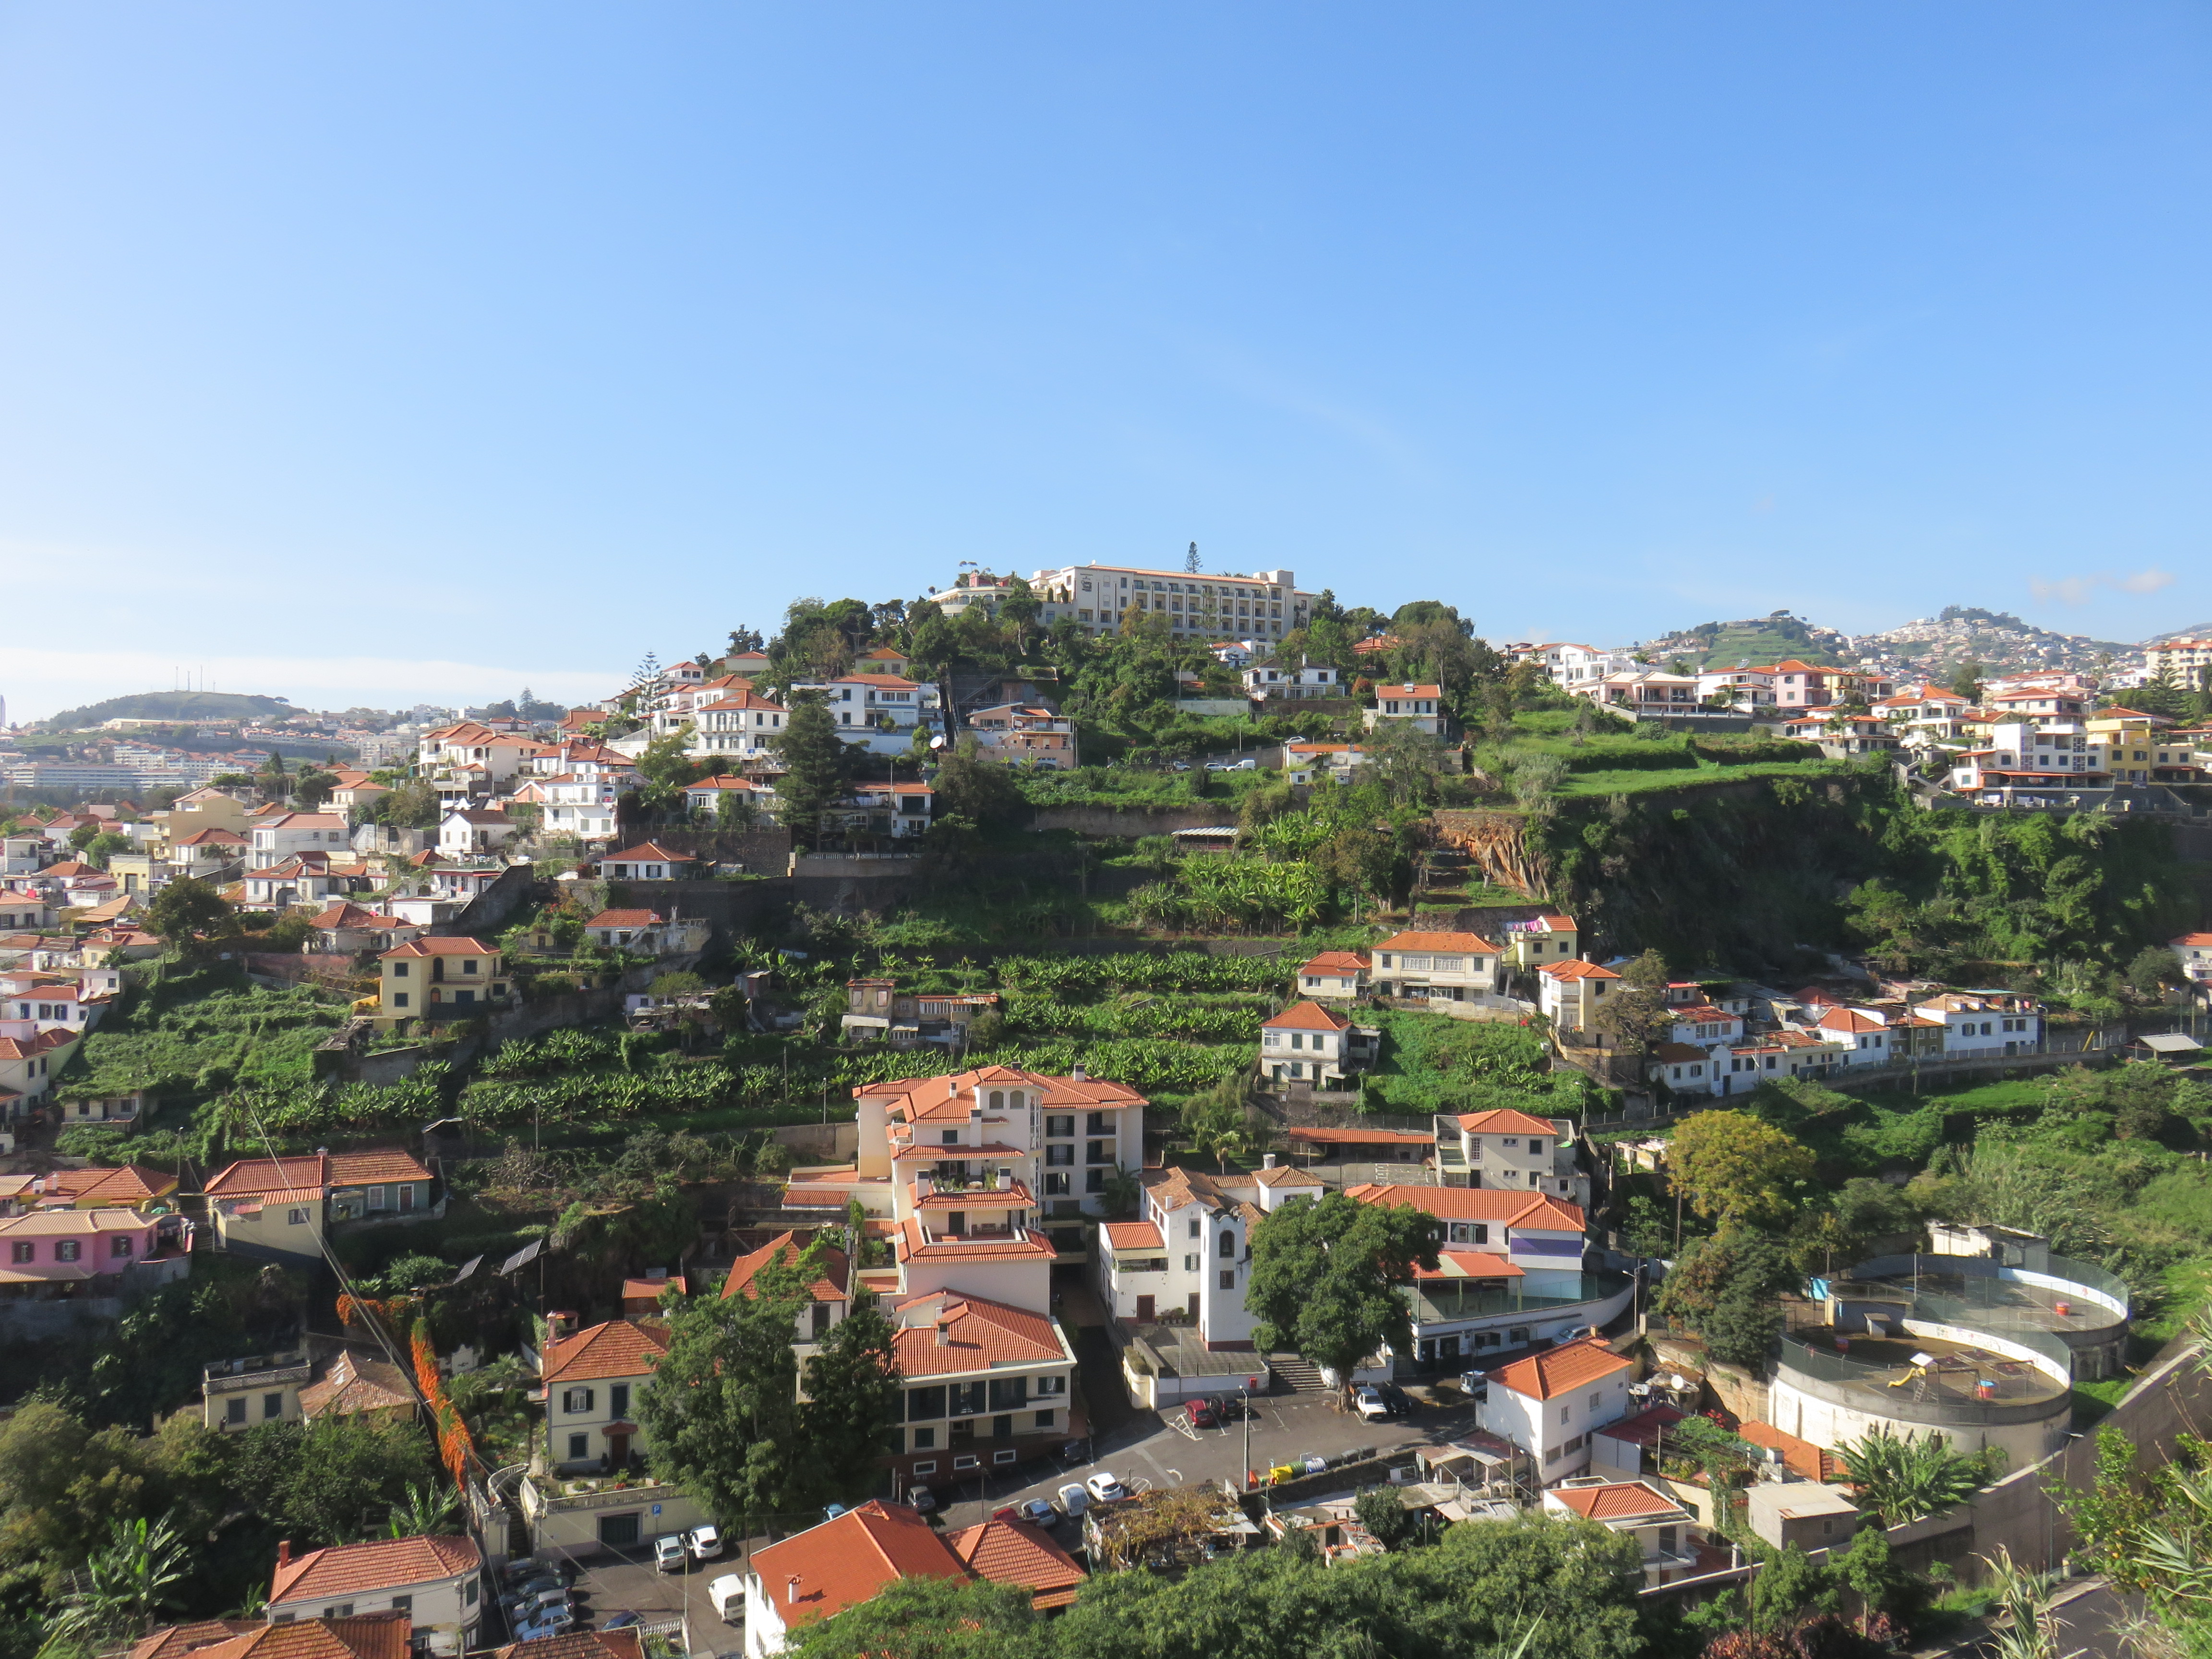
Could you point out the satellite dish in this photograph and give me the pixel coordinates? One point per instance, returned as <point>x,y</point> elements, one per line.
<point>1676,1382</point>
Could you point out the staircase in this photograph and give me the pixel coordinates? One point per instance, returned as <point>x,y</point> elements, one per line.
<point>1295,1372</point>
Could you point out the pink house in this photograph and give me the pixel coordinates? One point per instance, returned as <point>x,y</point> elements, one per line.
<point>59,1253</point>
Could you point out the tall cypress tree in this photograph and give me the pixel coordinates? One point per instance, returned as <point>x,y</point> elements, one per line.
<point>818,765</point>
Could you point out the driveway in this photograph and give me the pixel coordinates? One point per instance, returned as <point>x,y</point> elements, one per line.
<point>626,1581</point>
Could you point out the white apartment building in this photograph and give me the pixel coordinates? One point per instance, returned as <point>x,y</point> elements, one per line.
<point>1308,762</point>
<point>1571,665</point>
<point>1197,604</point>
<point>1985,1021</point>
<point>2186,658</point>
<point>1421,707</point>
<point>277,837</point>
<point>1188,1259</point>
<point>739,726</point>
<point>876,712</point>
<point>2194,952</point>
<point>1517,1151</point>
<point>1312,1044</point>
<point>436,1582</point>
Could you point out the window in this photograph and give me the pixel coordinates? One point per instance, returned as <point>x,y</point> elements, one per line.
<point>1194,1227</point>
<point>378,1199</point>
<point>399,970</point>
<point>1229,1279</point>
<point>925,1439</point>
<point>967,1398</point>
<point>296,1219</point>
<point>617,1531</point>
<point>1572,1447</point>
<point>1098,1124</point>
<point>1098,1152</point>
<point>1002,1428</point>
<point>1595,1401</point>
<point>1046,1420</point>
<point>1055,1385</point>
<point>272,1407</point>
<point>1229,1243</point>
<point>929,1467</point>
<point>1009,1392</point>
<point>960,1463</point>
<point>24,1250</point>
<point>1055,1185</point>
<point>921,1403</point>
<point>1094,1181</point>
<point>579,1447</point>
<point>576,1399</point>
<point>1062,1154</point>
<point>402,1604</point>
<point>1060,1126</point>
<point>1190,1264</point>
<point>338,1610</point>
<point>399,998</point>
<point>950,1138</point>
<point>233,1410</point>
<point>1006,1457</point>
<point>67,1249</point>
<point>618,1398</point>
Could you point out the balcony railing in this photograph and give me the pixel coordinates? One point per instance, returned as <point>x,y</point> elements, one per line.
<point>1435,1302</point>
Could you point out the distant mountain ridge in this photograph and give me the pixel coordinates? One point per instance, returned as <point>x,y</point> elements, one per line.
<point>1935,646</point>
<point>183,707</point>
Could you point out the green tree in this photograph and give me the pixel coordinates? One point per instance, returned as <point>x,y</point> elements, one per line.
<point>1911,1477</point>
<point>334,1484</point>
<point>1017,610</point>
<point>187,912</point>
<point>722,1415</point>
<point>313,787</point>
<point>1393,1525</point>
<point>1636,1015</point>
<point>1736,1170</point>
<point>2153,969</point>
<point>852,1400</point>
<point>1328,1278</point>
<point>124,1585</point>
<point>818,768</point>
<point>1966,681</point>
<point>104,846</point>
<point>664,769</point>
<point>927,1619</point>
<point>979,790</point>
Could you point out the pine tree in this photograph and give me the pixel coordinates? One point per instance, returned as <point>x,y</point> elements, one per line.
<point>818,765</point>
<point>1190,560</point>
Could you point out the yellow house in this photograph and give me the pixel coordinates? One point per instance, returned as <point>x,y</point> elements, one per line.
<point>439,979</point>
<point>201,809</point>
<point>1550,938</point>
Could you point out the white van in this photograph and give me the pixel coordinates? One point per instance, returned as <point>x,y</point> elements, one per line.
<point>727,1593</point>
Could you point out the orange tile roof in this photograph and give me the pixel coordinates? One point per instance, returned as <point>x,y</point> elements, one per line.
<point>647,1289</point>
<point>1337,962</point>
<point>1577,971</point>
<point>1473,943</point>
<point>578,1644</point>
<point>1801,1457</point>
<point>925,1098</point>
<point>2192,938</point>
<point>364,1636</point>
<point>442,947</point>
<point>1618,1500</point>
<point>1504,1120</point>
<point>1845,1019</point>
<point>353,1385</point>
<point>1470,1264</point>
<point>1135,1234</point>
<point>1319,1137</point>
<point>1015,1553</point>
<point>345,1570</point>
<point>646,852</point>
<point>912,1246</point>
<point>1307,1017</point>
<point>625,919</point>
<point>1531,1210</point>
<point>374,1163</point>
<point>830,1285</point>
<point>1562,1370</point>
<point>1283,1175</point>
<point>620,1347</point>
<point>979,1335</point>
<point>841,1562</point>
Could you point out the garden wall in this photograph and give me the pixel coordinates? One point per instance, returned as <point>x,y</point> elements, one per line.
<point>494,905</point>
<point>1128,822</point>
<point>735,908</point>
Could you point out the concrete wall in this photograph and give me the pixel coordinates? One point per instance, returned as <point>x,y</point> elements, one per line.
<point>1794,1407</point>
<point>821,1142</point>
<point>492,907</point>
<point>734,907</point>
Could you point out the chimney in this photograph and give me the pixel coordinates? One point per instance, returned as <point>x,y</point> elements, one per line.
<point>791,1589</point>
<point>559,1324</point>
<point>1080,1074</point>
<point>1267,1162</point>
<point>944,1333</point>
<point>283,1553</point>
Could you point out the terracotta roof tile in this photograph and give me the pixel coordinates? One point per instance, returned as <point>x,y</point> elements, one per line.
<point>382,1564</point>
<point>1137,1235</point>
<point>833,1285</point>
<point>841,1562</point>
<point>1015,1553</point>
<point>1504,1120</point>
<point>620,1347</point>
<point>1342,963</point>
<point>353,1385</point>
<point>979,1335</point>
<point>578,1644</point>
<point>1577,971</point>
<point>1334,1137</point>
<point>1562,1370</point>
<point>1469,943</point>
<point>1307,1017</point>
<point>1617,1500</point>
<point>1529,1210</point>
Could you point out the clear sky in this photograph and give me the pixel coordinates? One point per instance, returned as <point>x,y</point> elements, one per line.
<point>398,351</point>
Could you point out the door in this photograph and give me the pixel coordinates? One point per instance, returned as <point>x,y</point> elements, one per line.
<point>1194,1307</point>
<point>617,1449</point>
<point>1144,1310</point>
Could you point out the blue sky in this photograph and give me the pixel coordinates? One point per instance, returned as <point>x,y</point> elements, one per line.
<point>377,353</point>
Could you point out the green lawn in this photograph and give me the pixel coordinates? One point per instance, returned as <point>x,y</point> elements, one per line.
<point>1703,775</point>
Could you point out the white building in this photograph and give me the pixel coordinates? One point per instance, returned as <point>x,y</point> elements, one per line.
<point>467,832</point>
<point>1447,967</point>
<point>1985,1022</point>
<point>1421,707</point>
<point>1196,604</point>
<point>1665,1531</point>
<point>273,839</point>
<point>436,1582</point>
<point>1547,1404</point>
<point>1308,762</point>
<point>876,712</point>
<point>1518,1151</point>
<point>739,725</point>
<point>590,1381</point>
<point>1309,1043</point>
<point>1270,682</point>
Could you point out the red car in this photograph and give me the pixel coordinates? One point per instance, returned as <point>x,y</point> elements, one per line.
<point>1201,1413</point>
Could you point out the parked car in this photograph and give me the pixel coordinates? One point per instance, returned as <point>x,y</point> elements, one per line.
<point>1039,1512</point>
<point>1074,1500</point>
<point>1181,766</point>
<point>1368,1402</point>
<point>623,1620</point>
<point>1248,764</point>
<point>668,1553</point>
<point>1475,1385</point>
<point>1201,1414</point>
<point>1226,1406</point>
<point>550,1621</point>
<point>1217,766</point>
<point>920,1499</point>
<point>1395,1399</point>
<point>727,1593</point>
<point>704,1543</point>
<point>1105,1488</point>
<point>1006,1512</point>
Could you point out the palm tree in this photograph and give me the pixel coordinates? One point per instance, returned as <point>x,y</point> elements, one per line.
<point>1911,1477</point>
<point>124,1585</point>
<point>2031,1629</point>
<point>425,1512</point>
<point>1122,1190</point>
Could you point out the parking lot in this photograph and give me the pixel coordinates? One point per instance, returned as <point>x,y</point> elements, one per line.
<point>1145,1451</point>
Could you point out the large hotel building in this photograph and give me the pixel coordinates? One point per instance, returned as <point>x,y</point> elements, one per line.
<point>1265,606</point>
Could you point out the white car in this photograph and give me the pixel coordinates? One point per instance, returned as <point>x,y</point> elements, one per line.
<point>1368,1402</point>
<point>668,1553</point>
<point>704,1543</point>
<point>1074,1500</point>
<point>1105,1488</point>
<point>550,1621</point>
